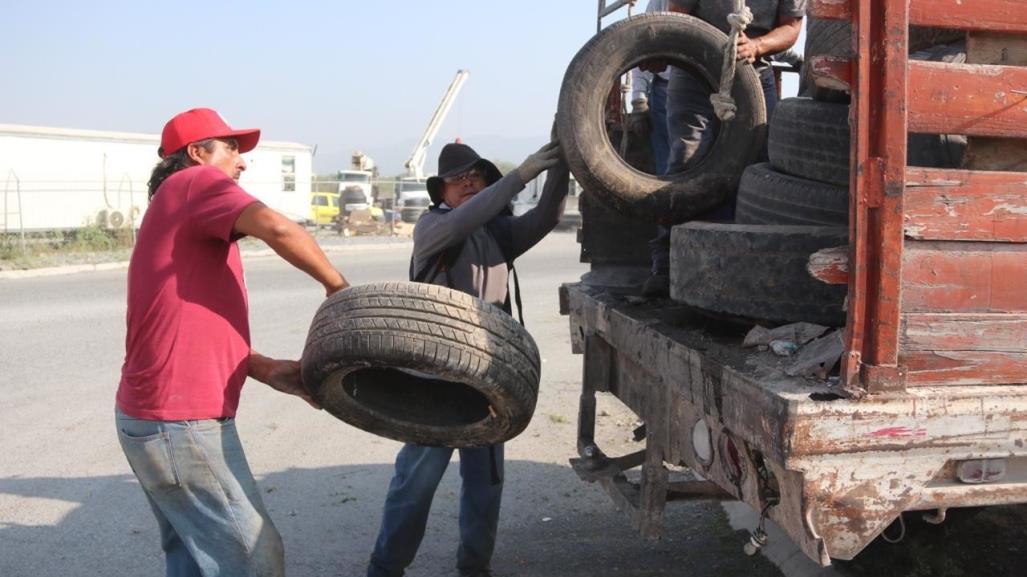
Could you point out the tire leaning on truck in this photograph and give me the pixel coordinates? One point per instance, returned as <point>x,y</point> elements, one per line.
<point>582,129</point>
<point>422,364</point>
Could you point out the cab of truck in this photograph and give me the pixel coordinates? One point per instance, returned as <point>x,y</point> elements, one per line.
<point>324,208</point>
<point>412,198</point>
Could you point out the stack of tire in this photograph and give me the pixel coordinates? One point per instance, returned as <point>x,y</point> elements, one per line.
<point>791,207</point>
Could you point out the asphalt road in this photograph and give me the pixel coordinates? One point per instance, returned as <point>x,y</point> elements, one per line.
<point>69,504</point>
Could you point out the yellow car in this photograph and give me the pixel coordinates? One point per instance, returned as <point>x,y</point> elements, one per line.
<point>324,208</point>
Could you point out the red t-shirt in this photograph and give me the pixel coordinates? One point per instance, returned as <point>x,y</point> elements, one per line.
<point>188,340</point>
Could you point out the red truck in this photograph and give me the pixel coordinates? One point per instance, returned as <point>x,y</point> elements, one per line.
<point>926,409</point>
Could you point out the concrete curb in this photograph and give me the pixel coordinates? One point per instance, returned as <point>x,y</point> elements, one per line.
<point>246,254</point>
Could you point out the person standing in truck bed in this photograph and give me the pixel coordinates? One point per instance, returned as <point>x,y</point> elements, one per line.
<point>691,122</point>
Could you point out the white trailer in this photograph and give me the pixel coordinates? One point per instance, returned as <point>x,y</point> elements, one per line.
<point>61,179</point>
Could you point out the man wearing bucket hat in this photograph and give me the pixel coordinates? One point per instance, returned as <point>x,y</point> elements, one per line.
<point>466,241</point>
<point>188,350</point>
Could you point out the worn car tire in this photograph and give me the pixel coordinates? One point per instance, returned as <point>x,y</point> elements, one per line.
<point>477,370</point>
<point>810,139</point>
<point>766,196</point>
<point>755,271</point>
<point>596,164</point>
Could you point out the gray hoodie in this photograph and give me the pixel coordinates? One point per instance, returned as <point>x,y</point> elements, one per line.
<point>480,269</point>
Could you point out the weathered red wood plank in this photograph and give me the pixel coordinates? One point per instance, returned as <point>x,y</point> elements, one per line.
<point>966,205</point>
<point>974,99</point>
<point>964,332</point>
<point>925,368</point>
<point>831,72</point>
<point>964,277</point>
<point>997,15</point>
<point>830,9</point>
<point>830,265</point>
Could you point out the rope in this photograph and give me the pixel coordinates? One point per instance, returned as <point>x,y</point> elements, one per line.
<point>722,102</point>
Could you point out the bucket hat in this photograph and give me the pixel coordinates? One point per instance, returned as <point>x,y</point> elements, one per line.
<point>457,158</point>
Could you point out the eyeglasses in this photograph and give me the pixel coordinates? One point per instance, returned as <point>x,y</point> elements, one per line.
<point>473,174</point>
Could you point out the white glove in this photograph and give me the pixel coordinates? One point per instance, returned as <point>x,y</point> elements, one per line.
<point>545,158</point>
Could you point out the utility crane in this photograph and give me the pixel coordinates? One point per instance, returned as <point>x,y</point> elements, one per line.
<point>411,194</point>
<point>415,164</point>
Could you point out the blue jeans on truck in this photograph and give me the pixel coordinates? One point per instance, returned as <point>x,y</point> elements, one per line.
<point>692,126</point>
<point>195,476</point>
<point>418,472</point>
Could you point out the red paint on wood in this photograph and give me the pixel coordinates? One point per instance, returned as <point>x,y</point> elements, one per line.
<point>998,15</point>
<point>924,368</point>
<point>830,265</point>
<point>973,99</point>
<point>966,205</point>
<point>831,72</point>
<point>964,332</point>
<point>830,9</point>
<point>953,277</point>
<point>892,432</point>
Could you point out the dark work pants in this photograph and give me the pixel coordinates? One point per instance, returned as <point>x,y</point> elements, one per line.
<point>418,472</point>
<point>692,126</point>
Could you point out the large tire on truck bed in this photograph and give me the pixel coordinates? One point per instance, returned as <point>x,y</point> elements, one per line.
<point>810,139</point>
<point>755,271</point>
<point>594,161</point>
<point>422,364</point>
<point>766,196</point>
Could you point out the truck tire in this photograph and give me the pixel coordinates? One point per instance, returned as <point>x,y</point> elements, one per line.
<point>422,364</point>
<point>594,161</point>
<point>810,139</point>
<point>755,271</point>
<point>766,196</point>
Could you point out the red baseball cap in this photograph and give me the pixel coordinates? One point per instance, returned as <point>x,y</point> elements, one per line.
<point>200,124</point>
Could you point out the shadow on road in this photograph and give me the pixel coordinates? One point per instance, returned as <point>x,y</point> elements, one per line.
<point>552,525</point>
<point>329,518</point>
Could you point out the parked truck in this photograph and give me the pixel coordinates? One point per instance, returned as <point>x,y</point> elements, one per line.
<point>911,396</point>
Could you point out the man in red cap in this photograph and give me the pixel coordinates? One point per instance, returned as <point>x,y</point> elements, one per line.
<point>188,350</point>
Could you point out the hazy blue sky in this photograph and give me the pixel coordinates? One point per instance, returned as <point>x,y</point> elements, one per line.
<point>340,75</point>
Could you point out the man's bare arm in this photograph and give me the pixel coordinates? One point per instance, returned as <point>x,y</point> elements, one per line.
<point>777,40</point>
<point>291,242</point>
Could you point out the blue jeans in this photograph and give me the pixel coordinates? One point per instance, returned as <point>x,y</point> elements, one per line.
<point>199,485</point>
<point>418,472</point>
<point>692,126</point>
<point>659,139</point>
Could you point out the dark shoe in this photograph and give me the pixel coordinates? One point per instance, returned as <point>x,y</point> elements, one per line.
<point>657,286</point>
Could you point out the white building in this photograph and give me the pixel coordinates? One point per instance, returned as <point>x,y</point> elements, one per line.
<point>58,179</point>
